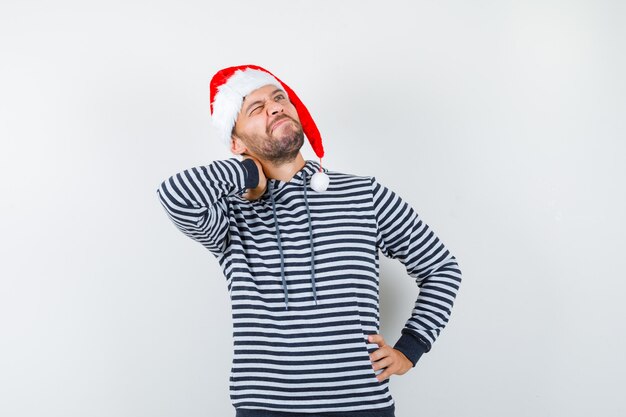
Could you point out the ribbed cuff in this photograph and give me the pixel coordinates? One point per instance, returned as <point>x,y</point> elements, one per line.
<point>252,173</point>
<point>412,347</point>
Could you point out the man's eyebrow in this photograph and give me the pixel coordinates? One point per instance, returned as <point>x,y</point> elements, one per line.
<point>278,90</point>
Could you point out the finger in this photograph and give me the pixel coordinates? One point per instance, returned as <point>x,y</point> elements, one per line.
<point>383,363</point>
<point>378,339</point>
<point>380,353</point>
<point>384,375</point>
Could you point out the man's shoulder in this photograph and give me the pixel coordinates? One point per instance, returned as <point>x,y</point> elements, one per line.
<point>344,175</point>
<point>343,180</point>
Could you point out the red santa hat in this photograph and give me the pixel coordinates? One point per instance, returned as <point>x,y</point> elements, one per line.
<point>230,85</point>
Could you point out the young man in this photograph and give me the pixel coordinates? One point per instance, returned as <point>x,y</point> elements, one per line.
<point>298,245</point>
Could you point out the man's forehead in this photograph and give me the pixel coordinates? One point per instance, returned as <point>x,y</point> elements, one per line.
<point>269,88</point>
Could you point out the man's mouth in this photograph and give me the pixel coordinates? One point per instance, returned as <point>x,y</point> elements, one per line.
<point>279,121</point>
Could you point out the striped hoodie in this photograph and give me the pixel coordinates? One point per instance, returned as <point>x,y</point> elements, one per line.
<point>302,272</point>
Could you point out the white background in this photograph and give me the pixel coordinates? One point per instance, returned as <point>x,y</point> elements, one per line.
<point>501,122</point>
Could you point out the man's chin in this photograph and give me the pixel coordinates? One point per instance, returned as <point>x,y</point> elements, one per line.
<point>292,142</point>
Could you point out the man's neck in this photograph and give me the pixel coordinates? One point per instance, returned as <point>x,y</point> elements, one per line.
<point>286,171</point>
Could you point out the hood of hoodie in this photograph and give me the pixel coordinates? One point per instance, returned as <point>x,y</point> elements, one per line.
<point>301,180</point>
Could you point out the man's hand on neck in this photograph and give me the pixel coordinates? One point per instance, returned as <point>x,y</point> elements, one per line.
<point>283,172</point>
<point>256,193</point>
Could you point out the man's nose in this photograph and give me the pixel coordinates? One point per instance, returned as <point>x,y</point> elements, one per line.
<point>274,108</point>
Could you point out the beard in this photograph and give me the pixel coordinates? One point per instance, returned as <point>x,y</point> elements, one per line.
<point>281,148</point>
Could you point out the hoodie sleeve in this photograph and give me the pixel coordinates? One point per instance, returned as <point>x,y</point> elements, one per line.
<point>402,235</point>
<point>195,199</point>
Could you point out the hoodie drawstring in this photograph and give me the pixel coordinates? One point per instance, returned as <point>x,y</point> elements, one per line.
<point>280,247</point>
<point>306,203</point>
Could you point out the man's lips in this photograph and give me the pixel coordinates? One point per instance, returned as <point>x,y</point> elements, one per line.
<point>279,121</point>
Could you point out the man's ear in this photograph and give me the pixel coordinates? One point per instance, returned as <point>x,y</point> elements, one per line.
<point>236,145</point>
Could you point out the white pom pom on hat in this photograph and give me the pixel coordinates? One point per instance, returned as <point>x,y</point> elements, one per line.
<point>229,86</point>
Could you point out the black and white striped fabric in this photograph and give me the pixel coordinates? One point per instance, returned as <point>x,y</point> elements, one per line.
<point>312,357</point>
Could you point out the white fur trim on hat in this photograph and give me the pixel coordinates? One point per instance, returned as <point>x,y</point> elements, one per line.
<point>230,95</point>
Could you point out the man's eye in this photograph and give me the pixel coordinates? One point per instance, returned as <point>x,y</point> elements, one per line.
<point>280,96</point>
<point>255,109</point>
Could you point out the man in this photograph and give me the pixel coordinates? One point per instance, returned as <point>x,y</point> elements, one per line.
<point>298,245</point>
